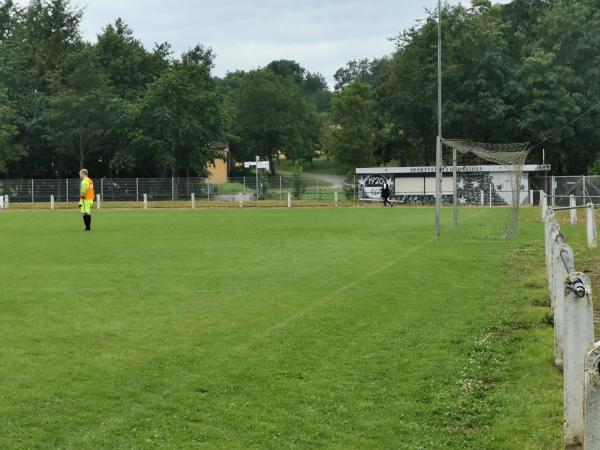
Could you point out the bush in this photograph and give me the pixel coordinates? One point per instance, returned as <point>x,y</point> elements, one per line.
<point>298,185</point>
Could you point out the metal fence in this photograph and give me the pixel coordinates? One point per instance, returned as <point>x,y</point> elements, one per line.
<point>178,189</point>
<point>585,189</point>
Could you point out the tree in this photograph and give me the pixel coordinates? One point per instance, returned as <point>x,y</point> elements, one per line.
<point>369,71</point>
<point>353,126</point>
<point>78,116</point>
<point>9,150</point>
<point>181,114</point>
<point>273,117</point>
<point>129,67</point>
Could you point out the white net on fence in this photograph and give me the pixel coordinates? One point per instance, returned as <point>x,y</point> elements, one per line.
<point>510,155</point>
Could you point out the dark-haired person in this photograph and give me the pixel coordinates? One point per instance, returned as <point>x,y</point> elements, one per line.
<point>385,195</point>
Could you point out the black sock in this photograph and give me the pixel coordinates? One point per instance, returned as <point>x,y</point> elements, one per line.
<point>87,220</point>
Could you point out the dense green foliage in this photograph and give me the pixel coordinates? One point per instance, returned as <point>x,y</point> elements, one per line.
<point>342,328</point>
<point>512,72</point>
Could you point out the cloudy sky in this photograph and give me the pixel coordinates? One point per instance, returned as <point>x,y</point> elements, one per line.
<point>322,35</point>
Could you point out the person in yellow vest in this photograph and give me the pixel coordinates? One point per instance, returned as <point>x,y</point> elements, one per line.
<point>86,194</point>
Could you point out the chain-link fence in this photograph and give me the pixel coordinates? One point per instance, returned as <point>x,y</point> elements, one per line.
<point>585,189</point>
<point>133,190</point>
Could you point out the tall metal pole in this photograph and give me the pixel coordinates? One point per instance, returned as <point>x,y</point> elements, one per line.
<point>454,188</point>
<point>438,146</point>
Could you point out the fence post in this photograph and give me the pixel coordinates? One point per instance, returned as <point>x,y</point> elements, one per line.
<point>553,190</point>
<point>335,198</point>
<point>592,398</point>
<point>32,192</point>
<point>208,191</point>
<point>193,200</point>
<point>482,195</point>
<point>51,201</point>
<point>592,242</point>
<point>559,275</point>
<point>98,199</point>
<point>244,184</point>
<point>137,190</point>
<point>172,189</point>
<point>145,201</point>
<point>318,196</point>
<point>572,204</point>
<point>490,195</point>
<point>102,189</point>
<point>543,204</point>
<point>241,200</point>
<point>289,199</point>
<point>1,201</point>
<point>280,188</point>
<point>6,202</point>
<point>530,197</point>
<point>354,189</point>
<point>579,336</point>
<point>67,180</point>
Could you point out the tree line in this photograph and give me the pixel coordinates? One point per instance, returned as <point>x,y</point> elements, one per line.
<point>512,73</point>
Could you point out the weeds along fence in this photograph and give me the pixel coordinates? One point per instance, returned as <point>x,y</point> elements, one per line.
<point>575,349</point>
<point>271,190</point>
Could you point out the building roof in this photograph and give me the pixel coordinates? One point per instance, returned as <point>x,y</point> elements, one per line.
<point>448,169</point>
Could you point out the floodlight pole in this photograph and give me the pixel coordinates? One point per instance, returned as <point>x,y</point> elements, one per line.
<point>438,146</point>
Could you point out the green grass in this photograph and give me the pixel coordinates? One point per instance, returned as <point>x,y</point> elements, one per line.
<point>307,328</point>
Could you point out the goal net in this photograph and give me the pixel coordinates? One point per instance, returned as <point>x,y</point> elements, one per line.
<point>482,189</point>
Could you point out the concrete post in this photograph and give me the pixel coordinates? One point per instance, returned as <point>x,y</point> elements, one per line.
<point>1,202</point>
<point>98,201</point>
<point>559,275</point>
<point>145,201</point>
<point>335,198</point>
<point>592,242</point>
<point>482,197</point>
<point>6,202</point>
<point>193,200</point>
<point>543,204</point>
<point>530,197</point>
<point>289,199</point>
<point>592,398</point>
<point>572,204</point>
<point>241,200</point>
<point>490,195</point>
<point>553,191</point>
<point>579,336</point>
<point>52,202</point>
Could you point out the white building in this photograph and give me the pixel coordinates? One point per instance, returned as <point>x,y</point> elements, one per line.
<point>416,185</point>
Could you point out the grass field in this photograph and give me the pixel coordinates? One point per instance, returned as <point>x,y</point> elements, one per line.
<point>308,328</point>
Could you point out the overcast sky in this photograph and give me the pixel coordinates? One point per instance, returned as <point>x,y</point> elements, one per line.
<point>322,35</point>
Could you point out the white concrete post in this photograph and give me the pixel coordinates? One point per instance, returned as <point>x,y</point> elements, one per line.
<point>289,199</point>
<point>98,201</point>
<point>6,202</point>
<point>530,197</point>
<point>592,398</point>
<point>559,275</point>
<point>579,336</point>
<point>490,195</point>
<point>543,203</point>
<point>592,242</point>
<point>145,201</point>
<point>572,204</point>
<point>193,200</point>
<point>482,197</point>
<point>1,202</point>
<point>335,198</point>
<point>52,202</point>
<point>241,200</point>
